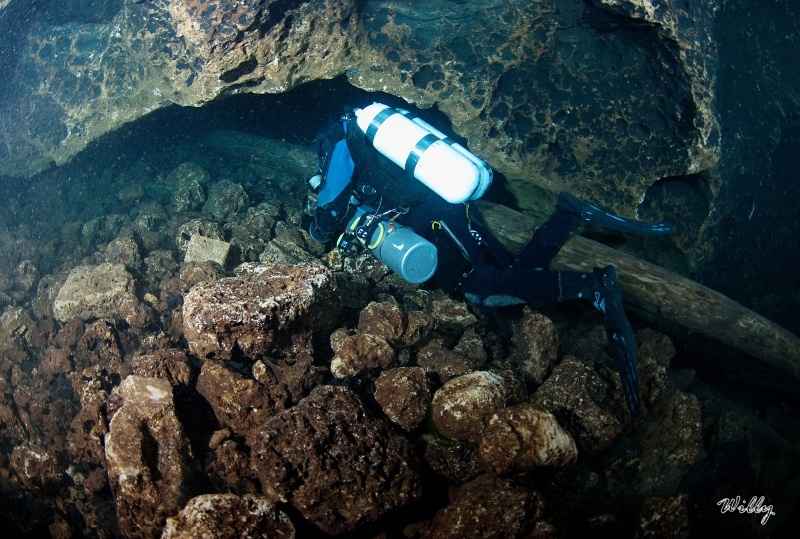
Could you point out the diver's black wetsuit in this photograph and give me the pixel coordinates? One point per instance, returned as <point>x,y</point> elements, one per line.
<point>470,259</point>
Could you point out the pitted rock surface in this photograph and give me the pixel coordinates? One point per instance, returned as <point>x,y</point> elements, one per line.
<point>333,463</point>
<point>149,459</point>
<point>464,405</point>
<point>262,312</point>
<point>404,395</point>
<point>522,437</point>
<point>227,516</point>
<point>510,75</point>
<point>586,401</point>
<point>490,506</point>
<point>359,354</point>
<point>241,403</point>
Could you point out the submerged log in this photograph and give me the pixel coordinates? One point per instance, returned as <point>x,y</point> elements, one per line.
<point>663,297</point>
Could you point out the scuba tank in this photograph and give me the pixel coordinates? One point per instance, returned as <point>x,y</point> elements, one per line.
<point>425,153</point>
<point>404,251</point>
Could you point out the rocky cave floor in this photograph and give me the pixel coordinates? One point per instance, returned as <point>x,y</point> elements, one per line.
<point>147,393</point>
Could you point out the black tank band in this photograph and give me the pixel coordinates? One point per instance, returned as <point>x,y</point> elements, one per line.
<point>416,153</point>
<point>376,123</point>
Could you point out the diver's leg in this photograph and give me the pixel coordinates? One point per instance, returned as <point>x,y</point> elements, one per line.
<point>602,289</point>
<point>491,287</point>
<point>547,240</point>
<point>590,214</point>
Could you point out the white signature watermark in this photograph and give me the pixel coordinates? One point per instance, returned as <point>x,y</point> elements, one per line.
<point>738,504</point>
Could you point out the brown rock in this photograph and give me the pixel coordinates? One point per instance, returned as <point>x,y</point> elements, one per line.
<point>227,516</point>
<point>361,354</point>
<point>104,291</point>
<point>536,343</point>
<point>587,405</point>
<point>149,460</point>
<point>230,465</point>
<point>490,506</point>
<point>404,395</point>
<point>524,437</point>
<point>333,463</point>
<point>261,312</point>
<point>243,404</point>
<point>385,319</point>
<point>463,406</point>
<point>443,363</point>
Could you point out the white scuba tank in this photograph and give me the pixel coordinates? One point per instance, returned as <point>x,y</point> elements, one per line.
<point>425,153</point>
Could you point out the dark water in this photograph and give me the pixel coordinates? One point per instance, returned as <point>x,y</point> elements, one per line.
<point>755,243</point>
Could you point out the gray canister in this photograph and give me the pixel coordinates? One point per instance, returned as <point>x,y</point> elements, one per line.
<point>406,253</point>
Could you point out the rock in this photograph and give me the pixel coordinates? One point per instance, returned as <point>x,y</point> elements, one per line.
<point>187,181</point>
<point>523,437</point>
<point>385,318</point>
<point>193,273</point>
<point>104,291</point>
<point>14,324</point>
<point>123,250</point>
<point>250,231</point>
<point>664,517</point>
<point>227,516</point>
<point>444,364</point>
<point>490,506</point>
<point>202,249</point>
<point>404,395</point>
<point>471,346</point>
<point>359,354</point>
<point>452,315</point>
<point>333,463</point>
<point>261,312</point>
<point>454,460</point>
<point>536,345</point>
<point>230,466</point>
<point>586,404</point>
<point>197,227</point>
<point>243,404</point>
<point>225,199</point>
<point>279,252</point>
<point>149,460</point>
<point>464,405</point>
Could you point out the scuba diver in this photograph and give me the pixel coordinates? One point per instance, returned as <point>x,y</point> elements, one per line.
<point>391,183</point>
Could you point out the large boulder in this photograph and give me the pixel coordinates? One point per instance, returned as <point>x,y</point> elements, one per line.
<point>150,463</point>
<point>333,463</point>
<point>262,312</point>
<point>104,291</point>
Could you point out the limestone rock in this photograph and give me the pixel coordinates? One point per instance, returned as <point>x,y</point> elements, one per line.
<point>104,291</point>
<point>536,342</point>
<point>464,405</point>
<point>202,249</point>
<point>243,404</point>
<point>404,395</point>
<point>519,438</point>
<point>490,506</point>
<point>586,403</point>
<point>197,227</point>
<point>226,198</point>
<point>261,312</point>
<point>442,363</point>
<point>149,458</point>
<point>359,354</point>
<point>227,516</point>
<point>338,467</point>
